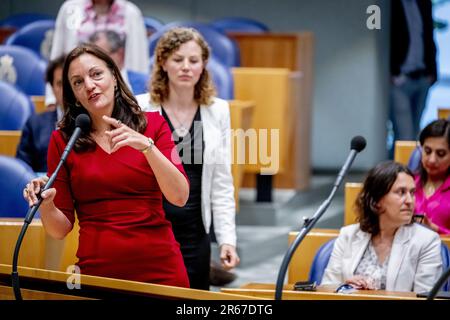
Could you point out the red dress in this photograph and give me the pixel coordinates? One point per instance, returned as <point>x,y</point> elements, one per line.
<point>123,230</point>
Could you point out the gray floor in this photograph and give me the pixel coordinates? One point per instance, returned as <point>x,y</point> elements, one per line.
<point>262,228</point>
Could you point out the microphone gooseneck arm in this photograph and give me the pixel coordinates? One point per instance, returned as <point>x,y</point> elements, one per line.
<point>32,211</point>
<point>434,291</point>
<point>310,222</point>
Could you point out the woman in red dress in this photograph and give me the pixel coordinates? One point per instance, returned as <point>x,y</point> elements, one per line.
<point>114,179</point>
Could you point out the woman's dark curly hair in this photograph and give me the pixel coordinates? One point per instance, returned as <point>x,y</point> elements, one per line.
<point>436,129</point>
<point>126,108</point>
<point>377,184</point>
<point>169,43</point>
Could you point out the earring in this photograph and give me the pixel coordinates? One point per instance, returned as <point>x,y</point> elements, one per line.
<point>77,104</point>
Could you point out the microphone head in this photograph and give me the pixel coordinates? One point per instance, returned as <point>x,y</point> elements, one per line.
<point>358,143</point>
<point>83,122</point>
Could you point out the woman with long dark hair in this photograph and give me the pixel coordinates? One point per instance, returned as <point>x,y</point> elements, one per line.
<point>114,178</point>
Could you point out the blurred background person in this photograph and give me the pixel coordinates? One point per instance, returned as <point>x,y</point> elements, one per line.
<point>386,250</point>
<point>77,20</point>
<point>111,42</point>
<point>183,92</point>
<point>433,179</point>
<point>39,127</point>
<point>127,158</point>
<point>413,64</point>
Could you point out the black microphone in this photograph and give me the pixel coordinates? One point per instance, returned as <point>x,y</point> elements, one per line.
<point>357,144</point>
<point>82,124</point>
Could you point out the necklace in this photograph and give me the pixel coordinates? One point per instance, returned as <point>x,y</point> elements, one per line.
<point>181,130</point>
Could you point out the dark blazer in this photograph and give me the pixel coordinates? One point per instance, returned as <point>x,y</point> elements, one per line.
<point>35,138</point>
<point>400,37</point>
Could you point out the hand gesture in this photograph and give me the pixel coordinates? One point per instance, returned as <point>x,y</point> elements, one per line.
<point>122,135</point>
<point>33,188</point>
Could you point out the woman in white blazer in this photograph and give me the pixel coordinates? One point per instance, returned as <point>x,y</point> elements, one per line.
<point>182,91</point>
<point>386,250</point>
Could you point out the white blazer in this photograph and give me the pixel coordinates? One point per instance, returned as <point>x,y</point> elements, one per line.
<point>217,181</point>
<point>415,262</point>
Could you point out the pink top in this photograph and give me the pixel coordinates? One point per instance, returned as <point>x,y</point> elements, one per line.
<point>437,206</point>
<point>114,20</point>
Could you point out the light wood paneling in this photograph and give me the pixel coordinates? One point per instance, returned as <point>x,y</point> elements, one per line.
<point>403,150</point>
<point>444,113</point>
<point>39,103</point>
<point>241,114</point>
<point>304,255</point>
<point>9,140</point>
<point>32,253</point>
<point>352,190</point>
<point>293,51</point>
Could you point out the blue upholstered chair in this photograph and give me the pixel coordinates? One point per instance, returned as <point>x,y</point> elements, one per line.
<point>222,78</point>
<point>239,24</point>
<point>445,254</point>
<point>21,19</point>
<point>320,261</point>
<point>15,174</point>
<point>15,107</point>
<point>152,24</point>
<point>414,160</point>
<point>37,36</point>
<point>223,48</point>
<point>23,68</point>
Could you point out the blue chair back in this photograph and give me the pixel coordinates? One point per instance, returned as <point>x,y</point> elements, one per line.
<point>15,107</point>
<point>152,24</point>
<point>15,175</point>
<point>445,254</point>
<point>23,68</point>
<point>37,36</point>
<point>222,78</point>
<point>239,24</point>
<point>320,261</point>
<point>223,48</point>
<point>19,20</point>
<point>415,159</point>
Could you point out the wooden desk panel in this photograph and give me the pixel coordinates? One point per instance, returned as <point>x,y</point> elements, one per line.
<point>278,117</point>
<point>241,115</point>
<point>304,255</point>
<point>9,140</point>
<point>352,190</point>
<point>267,291</point>
<point>32,253</point>
<point>444,113</point>
<point>98,286</point>
<point>403,151</point>
<point>39,103</point>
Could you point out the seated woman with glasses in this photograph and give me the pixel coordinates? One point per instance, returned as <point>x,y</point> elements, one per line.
<point>433,179</point>
<point>386,250</point>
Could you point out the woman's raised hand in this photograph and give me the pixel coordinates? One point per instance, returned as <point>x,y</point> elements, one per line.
<point>122,135</point>
<point>33,188</point>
